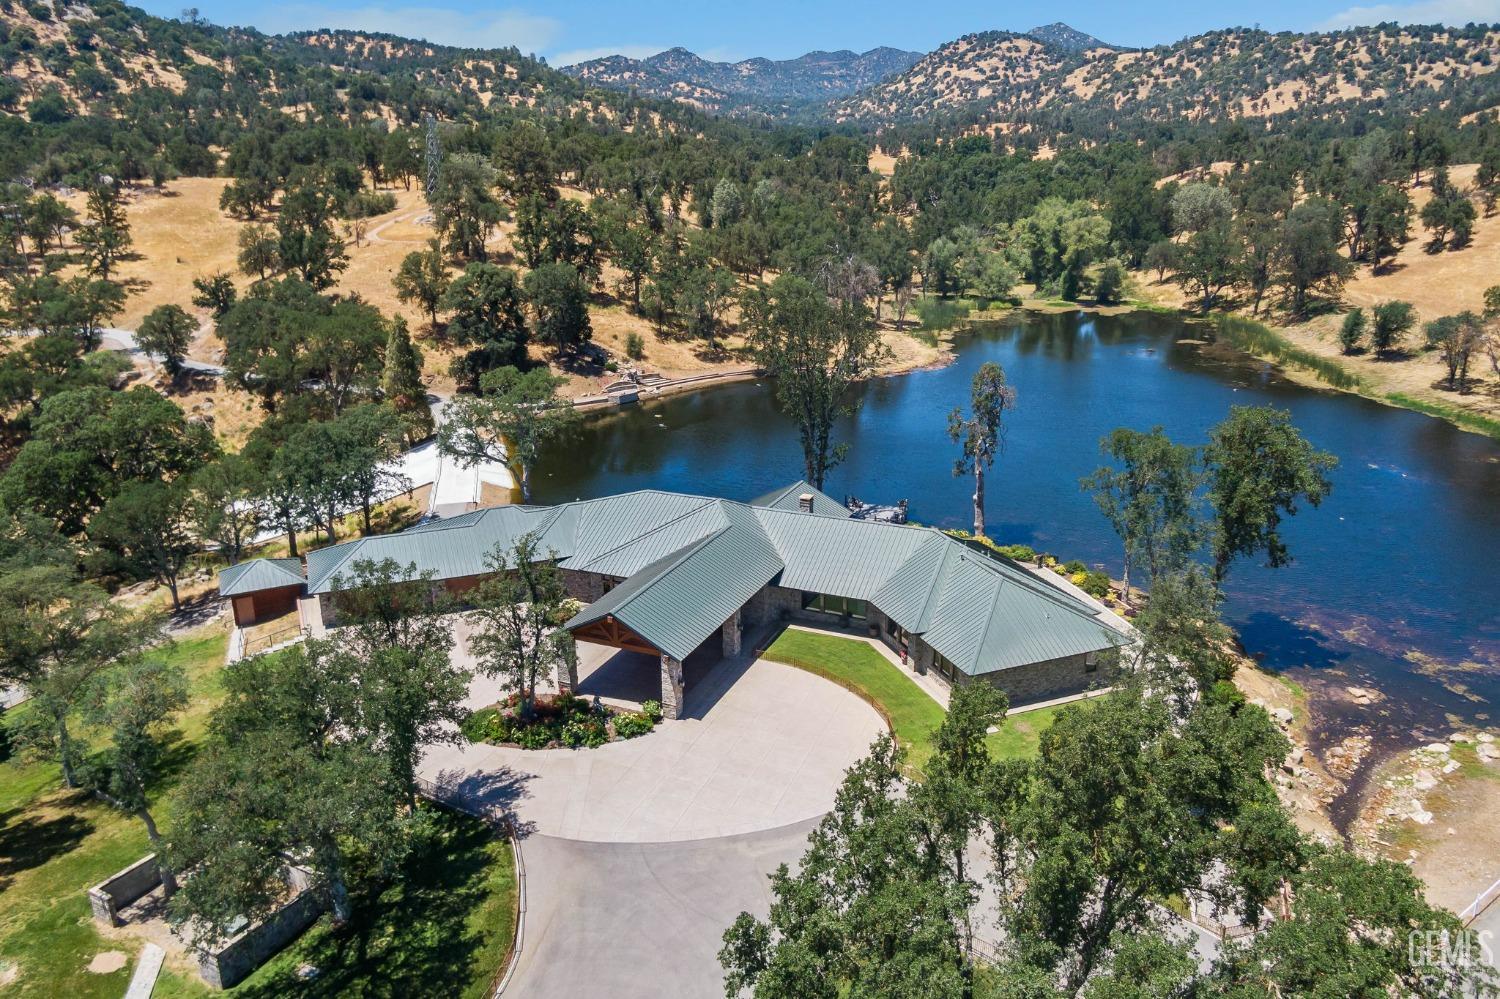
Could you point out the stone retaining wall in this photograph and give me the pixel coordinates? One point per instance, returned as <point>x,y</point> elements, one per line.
<point>109,896</point>
<point>231,962</point>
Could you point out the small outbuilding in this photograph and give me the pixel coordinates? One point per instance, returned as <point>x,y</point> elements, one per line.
<point>262,589</point>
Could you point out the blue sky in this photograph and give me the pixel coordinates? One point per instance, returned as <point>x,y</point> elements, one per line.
<point>778,29</point>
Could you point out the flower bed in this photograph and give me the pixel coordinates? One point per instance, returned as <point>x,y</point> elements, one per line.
<point>556,722</point>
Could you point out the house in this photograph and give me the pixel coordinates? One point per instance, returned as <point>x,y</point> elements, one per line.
<point>667,574</point>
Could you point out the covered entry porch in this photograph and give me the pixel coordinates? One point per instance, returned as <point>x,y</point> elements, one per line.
<point>616,663</point>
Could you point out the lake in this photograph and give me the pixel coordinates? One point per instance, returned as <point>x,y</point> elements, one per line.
<point>1395,583</point>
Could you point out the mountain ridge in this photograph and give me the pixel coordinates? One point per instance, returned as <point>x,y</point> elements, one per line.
<point>1065,36</point>
<point>681,74</point>
<point>1008,81</point>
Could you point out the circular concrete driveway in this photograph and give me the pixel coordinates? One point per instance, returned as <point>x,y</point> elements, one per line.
<point>764,745</point>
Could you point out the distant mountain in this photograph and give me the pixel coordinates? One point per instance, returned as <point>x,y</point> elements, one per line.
<point>1007,82</point>
<point>765,84</point>
<point>1065,36</point>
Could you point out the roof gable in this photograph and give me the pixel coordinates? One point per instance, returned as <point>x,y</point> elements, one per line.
<point>685,596</point>
<point>260,574</point>
<point>790,498</point>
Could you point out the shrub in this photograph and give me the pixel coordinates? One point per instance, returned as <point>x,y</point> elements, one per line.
<point>635,346</point>
<point>367,204</point>
<point>1393,320</point>
<point>485,725</point>
<point>585,731</point>
<point>1095,583</point>
<point>533,737</point>
<point>1074,566</point>
<point>632,724</point>
<point>1021,553</point>
<point>652,710</point>
<point>1353,331</point>
<point>611,366</point>
<point>1109,284</point>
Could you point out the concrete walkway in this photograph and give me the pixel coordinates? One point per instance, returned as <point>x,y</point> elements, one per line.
<point>762,746</point>
<point>143,981</point>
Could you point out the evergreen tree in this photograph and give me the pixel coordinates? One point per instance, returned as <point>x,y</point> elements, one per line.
<point>402,383</point>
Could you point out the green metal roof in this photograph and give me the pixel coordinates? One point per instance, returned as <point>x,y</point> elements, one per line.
<point>259,574</point>
<point>790,498</point>
<point>690,561</point>
<point>684,597</point>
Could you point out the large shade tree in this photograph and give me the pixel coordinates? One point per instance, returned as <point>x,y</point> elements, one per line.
<point>815,348</point>
<point>981,434</point>
<point>507,423</point>
<point>1259,468</point>
<point>1149,498</point>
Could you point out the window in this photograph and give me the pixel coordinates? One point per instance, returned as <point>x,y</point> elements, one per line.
<point>1091,663</point>
<point>945,668</point>
<point>823,603</point>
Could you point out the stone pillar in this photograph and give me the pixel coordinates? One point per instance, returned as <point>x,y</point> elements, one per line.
<point>567,670</point>
<point>671,687</point>
<point>731,632</point>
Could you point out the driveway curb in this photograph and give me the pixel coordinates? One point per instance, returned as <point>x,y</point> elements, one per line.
<point>516,945</point>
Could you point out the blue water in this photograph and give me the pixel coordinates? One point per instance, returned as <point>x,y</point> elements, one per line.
<point>1395,580</point>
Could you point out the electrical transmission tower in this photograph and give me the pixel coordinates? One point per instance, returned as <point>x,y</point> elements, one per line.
<point>434,156</point>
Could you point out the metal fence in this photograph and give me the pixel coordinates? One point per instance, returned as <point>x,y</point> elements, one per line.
<point>1480,903</point>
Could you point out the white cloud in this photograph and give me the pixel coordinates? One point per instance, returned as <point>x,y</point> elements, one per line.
<point>573,57</point>
<point>1451,12</point>
<point>441,25</point>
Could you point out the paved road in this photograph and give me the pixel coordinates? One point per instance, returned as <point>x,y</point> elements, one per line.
<point>641,921</point>
<point>124,341</point>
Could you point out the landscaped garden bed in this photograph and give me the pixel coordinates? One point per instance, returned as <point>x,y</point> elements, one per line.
<point>562,721</point>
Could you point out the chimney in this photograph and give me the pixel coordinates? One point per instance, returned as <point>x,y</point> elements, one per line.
<point>805,502</point>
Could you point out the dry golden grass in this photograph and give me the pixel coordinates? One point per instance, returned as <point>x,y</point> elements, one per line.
<point>1436,284</point>
<point>179,234</point>
<point>882,162</point>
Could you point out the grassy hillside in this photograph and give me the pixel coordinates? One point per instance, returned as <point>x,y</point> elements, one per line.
<point>998,78</point>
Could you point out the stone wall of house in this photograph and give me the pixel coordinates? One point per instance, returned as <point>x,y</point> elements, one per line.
<point>328,611</point>
<point>771,603</point>
<point>1047,680</point>
<point>583,586</point>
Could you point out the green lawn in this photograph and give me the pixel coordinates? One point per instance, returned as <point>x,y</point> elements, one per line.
<point>445,930</point>
<point>444,927</point>
<point>55,843</point>
<point>913,714</point>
